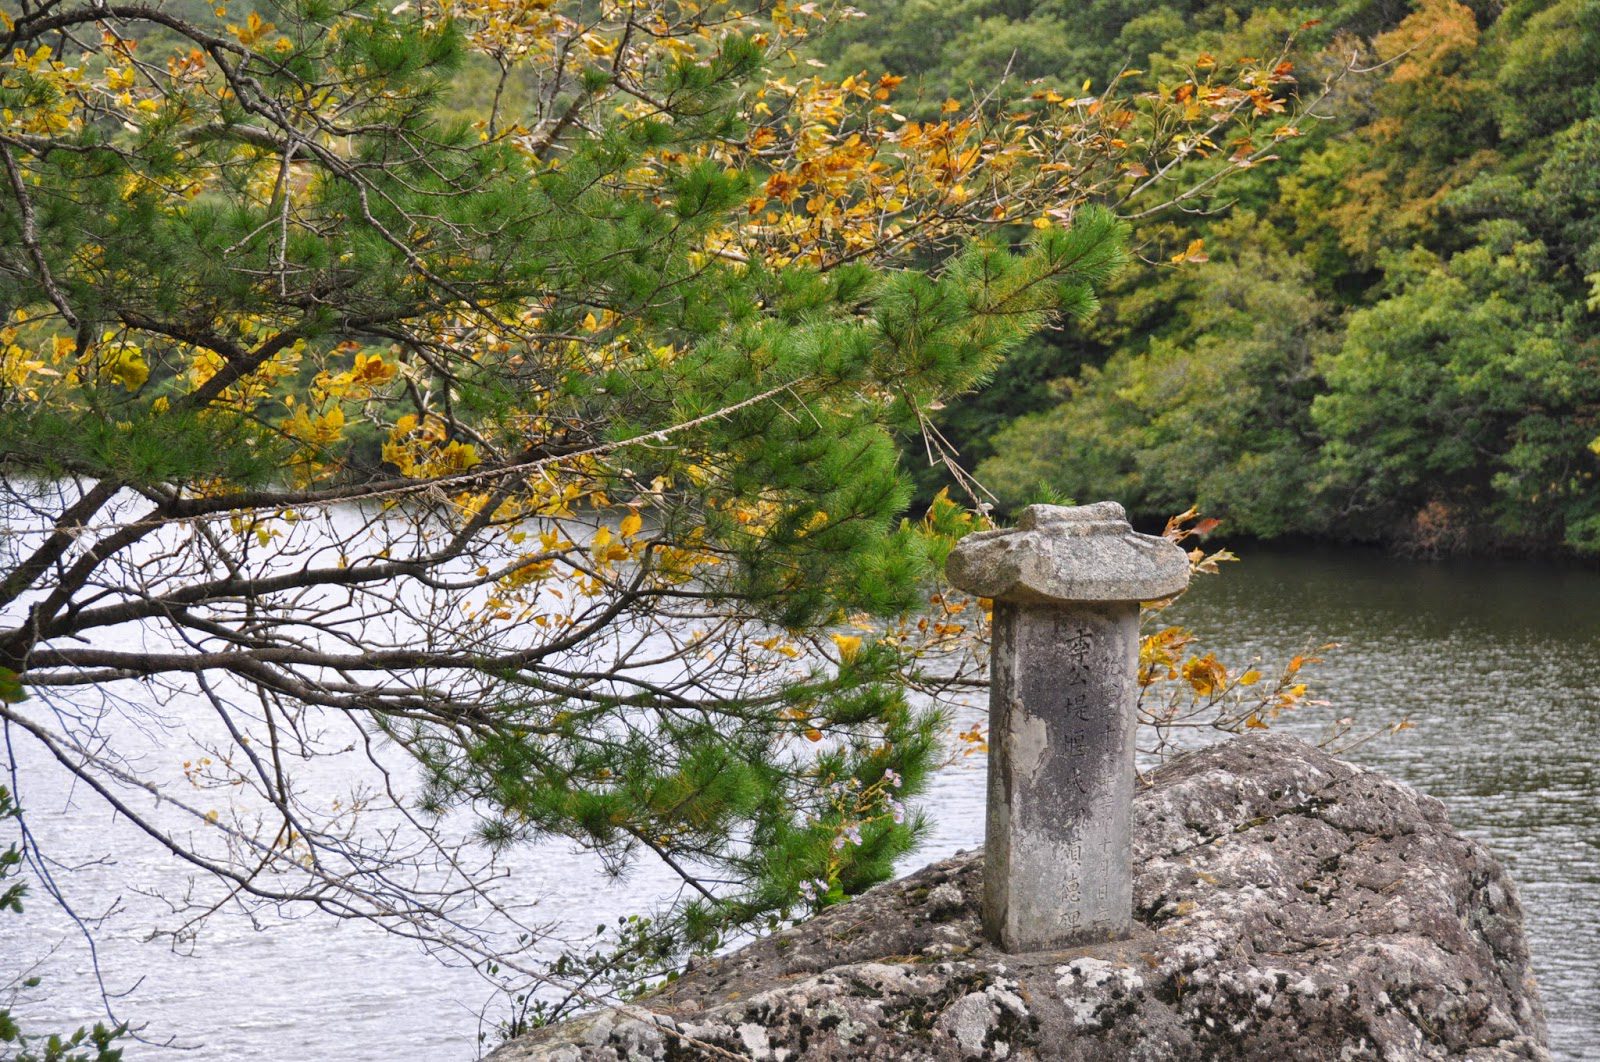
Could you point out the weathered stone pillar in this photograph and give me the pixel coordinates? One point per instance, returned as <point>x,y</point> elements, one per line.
<point>1066,586</point>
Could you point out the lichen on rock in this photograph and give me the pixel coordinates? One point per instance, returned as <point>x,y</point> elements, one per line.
<point>1288,905</point>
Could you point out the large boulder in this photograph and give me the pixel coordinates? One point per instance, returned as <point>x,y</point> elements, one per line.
<point>1288,906</point>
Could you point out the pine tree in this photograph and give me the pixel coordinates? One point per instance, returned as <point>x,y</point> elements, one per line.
<point>521,388</point>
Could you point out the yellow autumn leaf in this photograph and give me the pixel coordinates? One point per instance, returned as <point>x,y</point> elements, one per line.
<point>1205,675</point>
<point>848,645</point>
<point>128,367</point>
<point>631,524</point>
<point>252,31</point>
<point>1195,252</point>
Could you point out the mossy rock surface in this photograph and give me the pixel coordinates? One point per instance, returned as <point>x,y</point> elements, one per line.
<point>1289,906</point>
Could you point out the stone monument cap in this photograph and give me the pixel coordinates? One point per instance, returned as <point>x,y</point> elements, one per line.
<point>1059,554</point>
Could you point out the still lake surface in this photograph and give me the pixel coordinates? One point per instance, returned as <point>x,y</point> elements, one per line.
<point>1496,664</point>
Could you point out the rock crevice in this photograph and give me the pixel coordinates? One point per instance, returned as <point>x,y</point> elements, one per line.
<point>1287,905</point>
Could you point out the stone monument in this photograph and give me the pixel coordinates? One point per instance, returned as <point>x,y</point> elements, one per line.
<point>1066,586</point>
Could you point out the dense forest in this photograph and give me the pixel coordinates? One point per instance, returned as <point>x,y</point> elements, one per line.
<point>1388,334</point>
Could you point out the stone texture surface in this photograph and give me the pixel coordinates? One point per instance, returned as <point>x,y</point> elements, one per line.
<point>1062,724</point>
<point>1289,906</point>
<point>1066,554</point>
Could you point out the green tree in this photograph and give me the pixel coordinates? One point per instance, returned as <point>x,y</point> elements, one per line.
<point>1393,338</point>
<point>1213,412</point>
<point>1466,397</point>
<point>555,445</point>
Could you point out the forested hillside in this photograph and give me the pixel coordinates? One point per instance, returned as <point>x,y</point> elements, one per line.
<point>1392,333</point>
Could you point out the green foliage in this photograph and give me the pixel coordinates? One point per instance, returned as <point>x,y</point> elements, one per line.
<point>590,382</point>
<point>1211,413</point>
<point>1448,392</point>
<point>963,48</point>
<point>146,449</point>
<point>1393,339</point>
<point>1546,76</point>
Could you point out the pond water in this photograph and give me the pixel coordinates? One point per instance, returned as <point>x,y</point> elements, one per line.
<point>1497,665</point>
